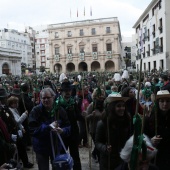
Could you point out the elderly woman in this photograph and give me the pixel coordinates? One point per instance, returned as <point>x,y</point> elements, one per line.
<point>112,131</point>
<point>157,127</point>
<point>125,154</point>
<point>42,119</point>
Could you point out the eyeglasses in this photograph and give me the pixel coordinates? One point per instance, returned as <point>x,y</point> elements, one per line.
<point>47,98</point>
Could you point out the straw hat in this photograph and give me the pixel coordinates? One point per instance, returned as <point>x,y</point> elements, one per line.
<point>115,97</point>
<point>163,94</point>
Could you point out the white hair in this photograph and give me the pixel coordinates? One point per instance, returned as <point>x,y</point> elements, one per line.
<point>48,89</point>
<point>125,153</point>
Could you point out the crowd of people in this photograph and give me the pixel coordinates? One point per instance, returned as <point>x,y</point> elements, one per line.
<point>80,107</point>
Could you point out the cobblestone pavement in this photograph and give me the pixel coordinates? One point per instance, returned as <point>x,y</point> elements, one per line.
<point>84,155</point>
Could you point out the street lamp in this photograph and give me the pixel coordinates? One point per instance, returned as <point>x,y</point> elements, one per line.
<point>126,60</point>
<point>127,56</point>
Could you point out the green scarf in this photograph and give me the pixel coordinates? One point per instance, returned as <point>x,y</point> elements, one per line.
<point>61,102</point>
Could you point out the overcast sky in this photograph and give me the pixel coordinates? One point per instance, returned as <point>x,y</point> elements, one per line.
<point>16,14</point>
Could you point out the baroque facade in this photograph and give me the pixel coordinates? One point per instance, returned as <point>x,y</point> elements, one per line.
<point>153,36</point>
<point>88,45</point>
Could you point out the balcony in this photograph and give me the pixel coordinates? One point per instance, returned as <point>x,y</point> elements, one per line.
<point>160,29</point>
<point>153,51</point>
<point>148,53</point>
<point>153,33</point>
<point>94,55</point>
<point>161,49</point>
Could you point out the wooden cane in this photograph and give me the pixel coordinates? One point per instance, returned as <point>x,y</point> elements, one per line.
<point>108,131</point>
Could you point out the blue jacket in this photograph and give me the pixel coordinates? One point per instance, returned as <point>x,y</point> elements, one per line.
<point>39,121</point>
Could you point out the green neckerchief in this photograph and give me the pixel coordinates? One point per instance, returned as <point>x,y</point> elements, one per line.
<point>147,92</point>
<point>139,143</point>
<point>65,104</point>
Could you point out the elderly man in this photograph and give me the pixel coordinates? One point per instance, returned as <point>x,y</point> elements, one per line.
<point>42,119</point>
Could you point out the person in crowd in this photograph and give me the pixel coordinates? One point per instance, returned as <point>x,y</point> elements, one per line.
<point>42,119</point>
<point>157,85</point>
<point>166,82</point>
<point>157,127</point>
<point>108,90</point>
<point>6,147</point>
<point>112,131</point>
<point>145,164</point>
<point>26,103</point>
<point>13,128</point>
<point>131,103</point>
<point>93,115</point>
<point>114,89</point>
<point>74,114</point>
<point>12,103</point>
<point>83,99</point>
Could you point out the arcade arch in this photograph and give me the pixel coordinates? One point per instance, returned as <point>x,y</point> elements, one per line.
<point>70,67</point>
<point>57,68</point>
<point>83,66</point>
<point>109,66</point>
<point>5,68</point>
<point>95,66</point>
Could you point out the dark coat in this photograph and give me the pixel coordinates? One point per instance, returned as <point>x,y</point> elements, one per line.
<point>166,86</point>
<point>74,115</point>
<point>124,166</point>
<point>118,136</point>
<point>5,146</point>
<point>163,129</point>
<point>39,121</point>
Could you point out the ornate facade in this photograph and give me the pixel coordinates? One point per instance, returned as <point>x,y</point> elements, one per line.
<point>89,45</point>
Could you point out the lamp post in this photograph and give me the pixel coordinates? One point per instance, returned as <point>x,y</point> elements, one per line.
<point>127,56</point>
<point>126,60</point>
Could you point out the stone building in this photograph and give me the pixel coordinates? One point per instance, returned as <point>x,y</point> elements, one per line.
<point>153,36</point>
<point>10,61</point>
<point>88,45</point>
<point>16,41</point>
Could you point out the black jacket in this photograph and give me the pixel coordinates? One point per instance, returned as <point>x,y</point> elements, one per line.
<point>118,137</point>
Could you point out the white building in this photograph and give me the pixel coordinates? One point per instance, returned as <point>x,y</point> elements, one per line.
<point>153,36</point>
<point>10,61</point>
<point>42,49</point>
<point>31,34</point>
<point>14,40</point>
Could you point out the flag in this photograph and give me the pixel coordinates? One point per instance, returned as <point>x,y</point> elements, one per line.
<point>84,11</point>
<point>77,13</point>
<point>90,11</point>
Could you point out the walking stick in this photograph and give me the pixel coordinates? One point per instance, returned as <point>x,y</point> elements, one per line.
<point>108,132</point>
<point>138,136</point>
<point>87,132</point>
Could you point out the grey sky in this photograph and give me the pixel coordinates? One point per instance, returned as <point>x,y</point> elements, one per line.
<point>19,13</point>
